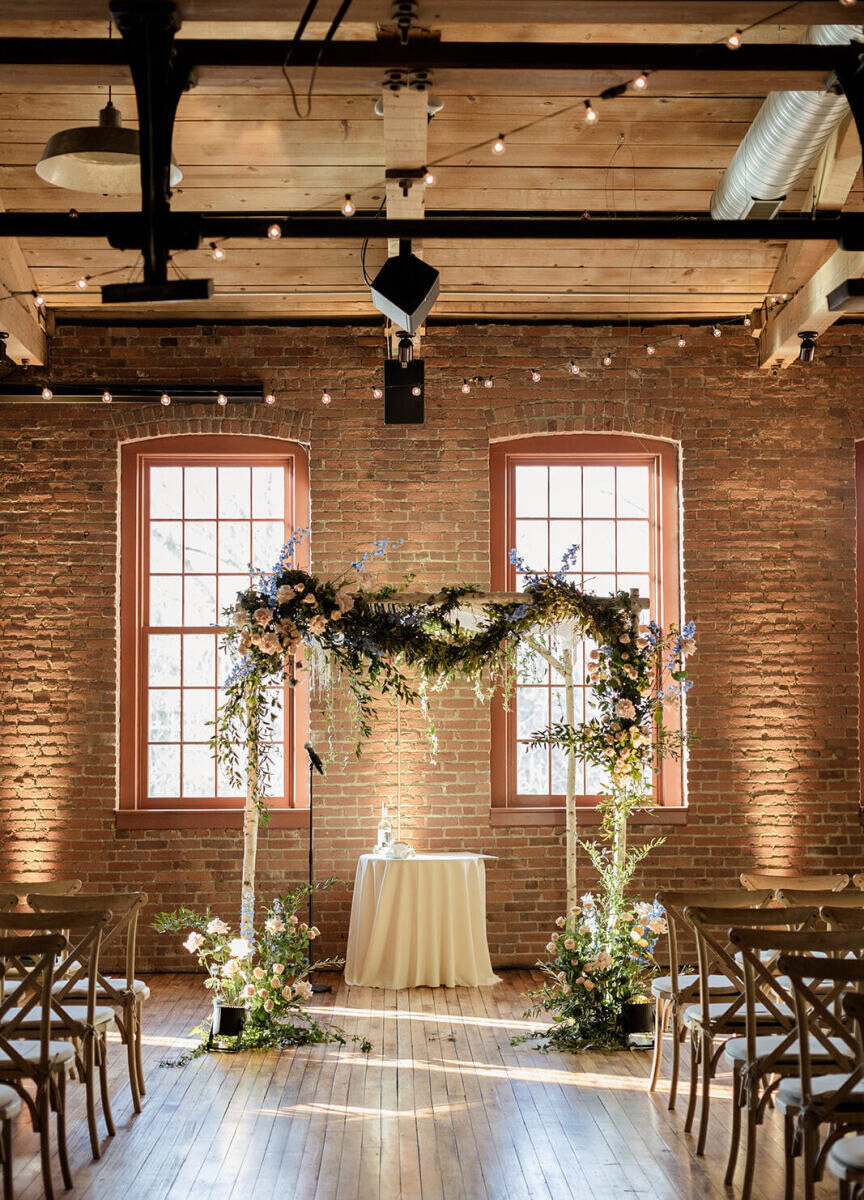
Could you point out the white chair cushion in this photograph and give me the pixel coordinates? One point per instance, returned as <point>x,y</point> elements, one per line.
<point>663,986</point>
<point>60,1052</point>
<point>788,1094</point>
<point>10,1103</point>
<point>735,1049</point>
<point>693,1014</point>
<point>33,1020</point>
<point>846,1157</point>
<point>139,987</point>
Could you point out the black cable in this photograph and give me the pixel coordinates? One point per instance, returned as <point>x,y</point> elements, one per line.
<point>328,37</point>
<point>366,278</point>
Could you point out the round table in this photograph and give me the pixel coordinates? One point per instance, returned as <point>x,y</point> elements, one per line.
<point>419,922</point>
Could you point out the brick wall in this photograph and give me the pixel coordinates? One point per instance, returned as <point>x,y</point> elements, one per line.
<point>769,565</point>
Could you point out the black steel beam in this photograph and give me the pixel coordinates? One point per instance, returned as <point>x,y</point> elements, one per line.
<point>429,55</point>
<point>186,230</point>
<point>122,393</point>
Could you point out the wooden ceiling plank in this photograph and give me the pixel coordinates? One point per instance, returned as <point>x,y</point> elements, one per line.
<point>807,310</point>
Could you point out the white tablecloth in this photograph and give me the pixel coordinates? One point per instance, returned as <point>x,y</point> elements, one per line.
<point>419,922</point>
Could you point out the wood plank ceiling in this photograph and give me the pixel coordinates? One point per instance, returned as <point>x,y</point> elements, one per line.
<point>242,148</point>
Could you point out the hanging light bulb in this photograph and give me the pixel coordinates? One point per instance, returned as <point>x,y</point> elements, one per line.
<point>535,375</point>
<point>466,387</point>
<point>574,368</point>
<point>590,113</point>
<point>274,232</point>
<point>81,283</point>
<point>269,398</point>
<point>326,398</point>
<point>222,399</point>
<point>716,330</point>
<point>488,382</point>
<point>217,252</point>
<point>607,360</point>
<point>682,342</point>
<point>498,144</point>
<point>107,397</point>
<point>734,40</point>
<point>38,299</point>
<point>377,393</point>
<point>348,208</point>
<point>165,400</point>
<point>416,390</point>
<point>848,3</point>
<point>640,82</point>
<point>429,178</point>
<point>47,394</point>
<point>650,351</point>
<point>747,321</point>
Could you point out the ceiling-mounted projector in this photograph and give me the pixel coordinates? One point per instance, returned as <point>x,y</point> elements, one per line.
<point>405,289</point>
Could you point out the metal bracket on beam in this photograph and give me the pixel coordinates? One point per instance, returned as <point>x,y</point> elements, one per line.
<point>161,72</point>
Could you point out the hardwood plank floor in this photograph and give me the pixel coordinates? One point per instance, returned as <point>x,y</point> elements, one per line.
<point>443,1108</point>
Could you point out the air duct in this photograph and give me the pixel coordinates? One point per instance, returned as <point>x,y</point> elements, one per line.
<point>788,132</point>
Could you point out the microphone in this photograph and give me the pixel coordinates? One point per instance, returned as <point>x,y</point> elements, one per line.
<point>313,758</point>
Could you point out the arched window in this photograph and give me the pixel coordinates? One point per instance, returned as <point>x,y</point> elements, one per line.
<point>196,510</point>
<point>615,496</point>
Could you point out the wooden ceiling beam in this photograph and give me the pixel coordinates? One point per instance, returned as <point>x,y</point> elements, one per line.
<point>807,310</point>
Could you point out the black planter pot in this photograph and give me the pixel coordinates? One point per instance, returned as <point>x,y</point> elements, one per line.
<point>637,1017</point>
<point>228,1019</point>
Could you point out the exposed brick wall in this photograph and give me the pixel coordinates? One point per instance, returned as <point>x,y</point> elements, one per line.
<point>769,558</point>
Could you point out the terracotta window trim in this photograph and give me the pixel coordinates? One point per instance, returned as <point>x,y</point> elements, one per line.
<point>135,810</point>
<point>507,807</point>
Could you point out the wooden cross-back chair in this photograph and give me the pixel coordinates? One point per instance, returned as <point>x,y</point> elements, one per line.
<point>46,887</point>
<point>792,898</point>
<point>125,994</point>
<point>845,1158</point>
<point>816,1097</point>
<point>85,1023</point>
<point>759,1060</point>
<point>38,1061</point>
<point>758,880</point>
<point>838,917</point>
<point>675,991</point>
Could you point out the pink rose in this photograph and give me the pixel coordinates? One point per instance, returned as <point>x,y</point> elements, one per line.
<point>268,1004</point>
<point>263,616</point>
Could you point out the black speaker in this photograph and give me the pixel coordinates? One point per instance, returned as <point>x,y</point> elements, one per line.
<point>401,381</point>
<point>405,289</point>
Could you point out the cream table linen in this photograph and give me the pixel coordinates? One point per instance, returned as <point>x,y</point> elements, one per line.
<point>419,922</point>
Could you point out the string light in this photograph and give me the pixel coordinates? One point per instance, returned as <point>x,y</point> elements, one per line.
<point>590,113</point>
<point>488,382</point>
<point>747,322</point>
<point>682,342</point>
<point>348,209</point>
<point>222,399</point>
<point>274,232</point>
<point>269,398</point>
<point>81,283</point>
<point>217,252</point>
<point>650,350</point>
<point>429,178</point>
<point>38,299</point>
<point>498,144</point>
<point>326,398</point>
<point>165,399</point>
<point>607,360</point>
<point>640,82</point>
<point>734,40</point>
<point>574,368</point>
<point>848,3</point>
<point>535,375</point>
<point>716,330</point>
<point>416,390</point>
<point>47,394</point>
<point>107,397</point>
<point>377,393</point>
<point>466,387</point>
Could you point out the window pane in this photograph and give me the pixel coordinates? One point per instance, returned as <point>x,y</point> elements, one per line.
<point>227,789</point>
<point>229,586</point>
<point>268,538</point>
<point>565,491</point>
<point>531,544</point>
<point>166,491</point>
<point>563,535</point>
<point>268,492</point>
<point>598,485</point>
<point>559,773</point>
<point>199,659</point>
<point>600,585</point>
<point>235,492</point>
<point>530,666</point>
<point>165,541</point>
<point>163,771</point>
<point>164,723</point>
<point>199,771</point>
<point>165,599</point>
<point>275,787</point>
<point>633,491</point>
<point>627,582</point>
<point>234,546</point>
<point>200,499</point>
<point>164,660</point>
<point>531,710</point>
<point>199,603</point>
<point>531,491</point>
<point>559,709</point>
<point>598,545</point>
<point>200,548</point>
<point>633,546</point>
<point>199,707</point>
<point>532,770</point>
<point>596,780</point>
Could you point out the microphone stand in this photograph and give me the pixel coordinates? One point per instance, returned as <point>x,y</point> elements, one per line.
<point>318,988</point>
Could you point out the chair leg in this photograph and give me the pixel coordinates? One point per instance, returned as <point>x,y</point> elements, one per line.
<point>659,1022</point>
<point>8,1191</point>
<point>675,1030</point>
<point>43,1110</point>
<point>707,1052</point>
<point>788,1156</point>
<point>132,1065</point>
<point>88,1059</point>
<point>694,1082</point>
<point>750,1153</point>
<point>139,1024</point>
<point>735,1139</point>
<point>103,1085</point>
<point>62,1150</point>
<point>810,1149</point>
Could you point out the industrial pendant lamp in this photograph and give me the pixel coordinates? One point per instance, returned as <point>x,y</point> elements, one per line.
<point>97,158</point>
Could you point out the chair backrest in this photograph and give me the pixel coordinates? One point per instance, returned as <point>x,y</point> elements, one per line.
<point>82,934</point>
<point>754,881</point>
<point>839,918</point>
<point>125,910</point>
<point>676,902</point>
<point>792,898</point>
<point>33,958</point>
<point>858,881</point>
<point>818,980</point>
<point>46,887</point>
<point>8,902</point>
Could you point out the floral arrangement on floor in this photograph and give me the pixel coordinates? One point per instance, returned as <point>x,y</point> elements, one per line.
<point>267,976</point>
<point>600,960</point>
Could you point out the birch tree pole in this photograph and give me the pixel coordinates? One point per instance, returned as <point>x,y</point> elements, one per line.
<point>251,811</point>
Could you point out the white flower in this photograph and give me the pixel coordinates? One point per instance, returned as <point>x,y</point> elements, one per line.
<point>193,943</point>
<point>584,930</point>
<point>249,989</point>
<point>258,973</point>
<point>218,926</point>
<point>268,643</point>
<point>688,645</point>
<point>569,944</point>
<point>642,641</point>
<point>274,925</point>
<point>230,968</point>
<point>658,925</point>
<point>560,922</point>
<point>344,600</point>
<point>587,899</point>
<point>293,919</point>
<point>285,594</point>
<point>262,616</point>
<point>240,618</point>
<point>625,709</point>
<point>317,624</point>
<point>551,947</point>
<point>303,990</point>
<point>286,992</point>
<point>275,982</point>
<point>278,968</point>
<point>314,932</point>
<point>239,948</point>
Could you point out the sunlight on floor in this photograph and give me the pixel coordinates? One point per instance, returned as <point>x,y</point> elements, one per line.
<point>403,1014</point>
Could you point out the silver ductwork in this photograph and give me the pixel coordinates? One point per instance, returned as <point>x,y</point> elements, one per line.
<point>788,133</point>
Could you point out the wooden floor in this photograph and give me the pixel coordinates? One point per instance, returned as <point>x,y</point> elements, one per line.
<point>443,1107</point>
